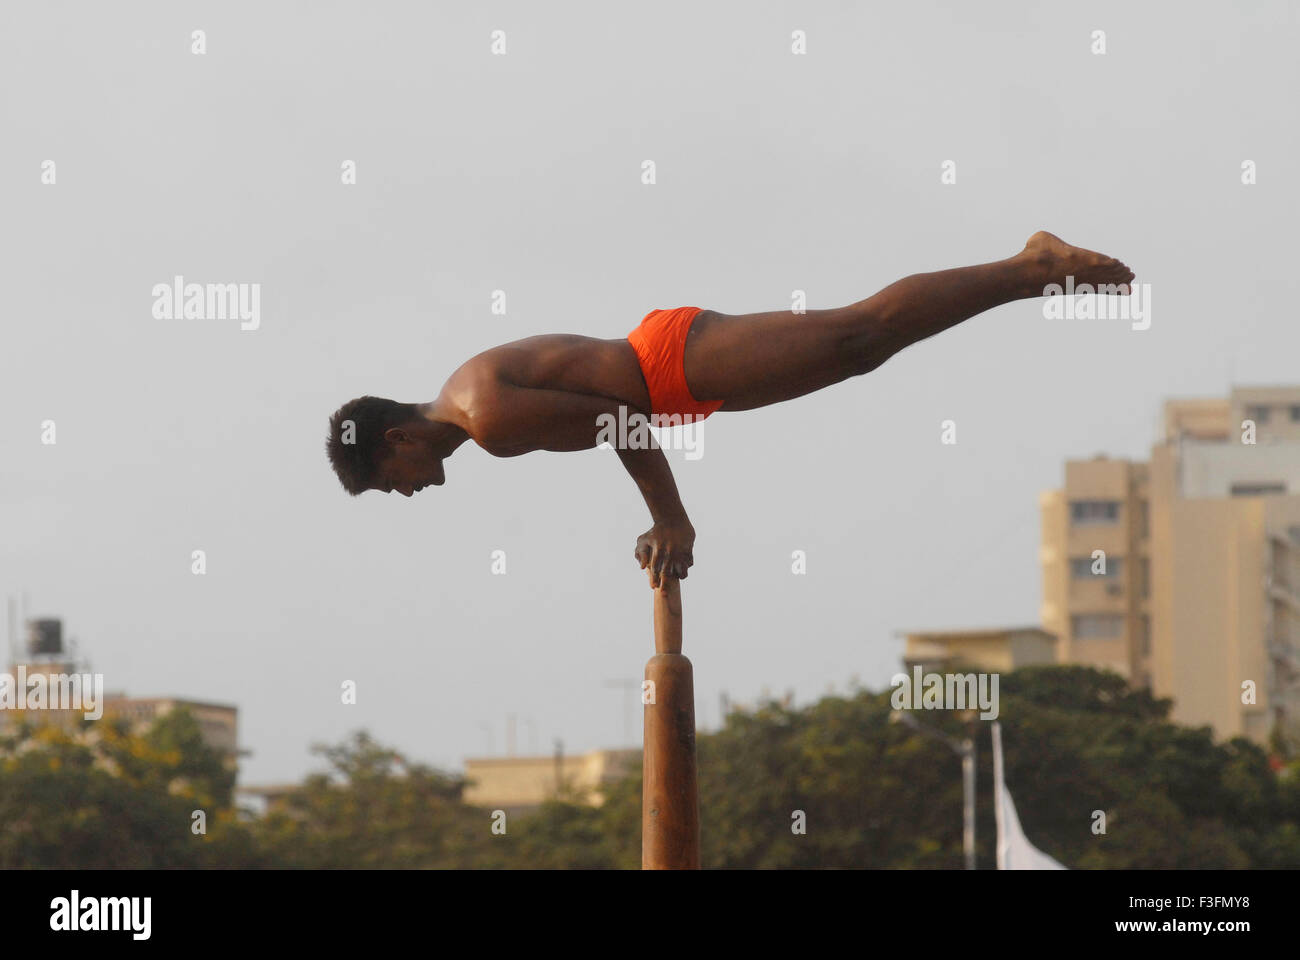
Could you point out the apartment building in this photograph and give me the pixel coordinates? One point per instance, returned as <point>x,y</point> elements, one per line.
<point>1182,573</point>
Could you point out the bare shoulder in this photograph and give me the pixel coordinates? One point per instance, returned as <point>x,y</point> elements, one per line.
<point>470,394</point>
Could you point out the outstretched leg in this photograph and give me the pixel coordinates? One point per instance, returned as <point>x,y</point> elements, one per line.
<point>757,359</point>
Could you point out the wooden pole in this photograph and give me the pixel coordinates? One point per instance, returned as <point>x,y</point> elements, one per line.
<point>670,816</point>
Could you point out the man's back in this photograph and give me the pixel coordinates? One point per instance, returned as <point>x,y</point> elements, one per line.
<point>568,362</point>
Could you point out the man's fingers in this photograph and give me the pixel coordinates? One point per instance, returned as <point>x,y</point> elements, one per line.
<point>662,561</point>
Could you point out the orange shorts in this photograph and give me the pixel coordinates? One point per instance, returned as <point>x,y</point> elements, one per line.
<point>660,345</point>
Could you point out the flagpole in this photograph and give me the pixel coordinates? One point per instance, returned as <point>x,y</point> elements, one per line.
<point>968,800</point>
<point>998,815</point>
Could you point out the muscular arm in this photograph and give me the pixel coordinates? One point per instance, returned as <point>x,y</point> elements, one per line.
<point>509,421</point>
<point>666,549</point>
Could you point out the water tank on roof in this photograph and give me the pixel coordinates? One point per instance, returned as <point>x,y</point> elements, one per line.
<point>44,637</point>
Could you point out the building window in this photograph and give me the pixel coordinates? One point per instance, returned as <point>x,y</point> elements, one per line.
<point>1094,511</point>
<point>1282,632</point>
<point>1143,637</point>
<point>1257,489</point>
<point>1258,413</point>
<point>1081,568</point>
<point>1295,413</point>
<point>1097,626</point>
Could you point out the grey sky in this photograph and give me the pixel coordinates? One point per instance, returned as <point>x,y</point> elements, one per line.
<point>522,172</point>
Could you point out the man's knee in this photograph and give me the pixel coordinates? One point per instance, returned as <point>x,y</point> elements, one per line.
<point>860,353</point>
<point>860,346</point>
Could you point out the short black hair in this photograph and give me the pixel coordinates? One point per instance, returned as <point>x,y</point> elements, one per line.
<point>356,458</point>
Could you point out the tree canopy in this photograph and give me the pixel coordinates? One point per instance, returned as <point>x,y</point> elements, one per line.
<point>872,794</point>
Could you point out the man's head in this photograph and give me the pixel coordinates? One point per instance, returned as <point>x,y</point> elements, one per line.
<point>378,444</point>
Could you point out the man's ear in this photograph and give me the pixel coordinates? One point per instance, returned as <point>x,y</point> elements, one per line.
<point>397,435</point>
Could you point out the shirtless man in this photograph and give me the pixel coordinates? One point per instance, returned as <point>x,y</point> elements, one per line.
<point>554,392</point>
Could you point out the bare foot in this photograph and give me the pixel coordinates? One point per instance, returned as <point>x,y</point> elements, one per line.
<point>1053,260</point>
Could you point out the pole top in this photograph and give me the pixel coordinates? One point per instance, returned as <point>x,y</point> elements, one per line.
<point>668,616</point>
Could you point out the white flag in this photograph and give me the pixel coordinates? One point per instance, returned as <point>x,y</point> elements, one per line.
<point>1015,852</point>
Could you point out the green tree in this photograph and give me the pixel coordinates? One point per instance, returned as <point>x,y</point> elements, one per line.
<point>103,797</point>
<point>1077,740</point>
<point>376,809</point>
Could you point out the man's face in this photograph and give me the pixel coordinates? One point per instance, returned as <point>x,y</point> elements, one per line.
<point>409,468</point>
